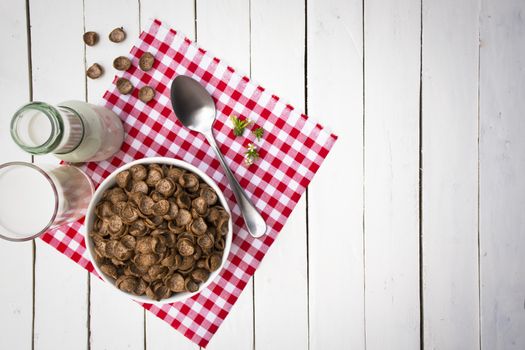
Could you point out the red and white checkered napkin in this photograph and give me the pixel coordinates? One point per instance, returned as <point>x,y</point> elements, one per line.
<point>292,149</point>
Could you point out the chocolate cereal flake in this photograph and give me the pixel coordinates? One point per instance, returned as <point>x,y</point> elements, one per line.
<point>117,35</point>
<point>90,38</point>
<point>124,86</point>
<point>95,71</point>
<point>146,61</point>
<point>121,63</point>
<point>146,94</point>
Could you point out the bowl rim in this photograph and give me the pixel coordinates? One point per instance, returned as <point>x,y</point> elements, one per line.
<point>109,181</point>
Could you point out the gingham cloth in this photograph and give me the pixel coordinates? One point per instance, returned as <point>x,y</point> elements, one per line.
<point>292,149</point>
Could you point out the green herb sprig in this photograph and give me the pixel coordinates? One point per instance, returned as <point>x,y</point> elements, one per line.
<point>239,125</point>
<point>259,132</point>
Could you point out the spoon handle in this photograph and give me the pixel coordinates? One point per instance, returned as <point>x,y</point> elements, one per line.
<point>254,220</point>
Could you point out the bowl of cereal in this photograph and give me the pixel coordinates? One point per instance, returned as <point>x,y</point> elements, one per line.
<point>158,230</point>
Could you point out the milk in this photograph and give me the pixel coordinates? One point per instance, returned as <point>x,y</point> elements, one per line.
<point>38,129</point>
<point>35,198</point>
<point>28,201</point>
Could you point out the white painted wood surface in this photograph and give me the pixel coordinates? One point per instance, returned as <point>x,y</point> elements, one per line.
<point>450,175</point>
<point>502,164</point>
<point>16,267</point>
<point>280,283</point>
<point>335,250</point>
<point>391,175</point>
<point>392,79</point>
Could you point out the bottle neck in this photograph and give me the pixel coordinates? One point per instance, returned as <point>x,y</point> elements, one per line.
<point>39,128</point>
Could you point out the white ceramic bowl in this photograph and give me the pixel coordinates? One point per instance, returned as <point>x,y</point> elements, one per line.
<point>110,181</point>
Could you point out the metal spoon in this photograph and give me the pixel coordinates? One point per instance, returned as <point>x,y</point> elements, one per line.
<point>195,109</point>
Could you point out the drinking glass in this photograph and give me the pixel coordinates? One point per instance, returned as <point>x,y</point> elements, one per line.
<point>36,198</point>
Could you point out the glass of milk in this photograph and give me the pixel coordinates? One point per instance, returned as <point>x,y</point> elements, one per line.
<point>36,198</point>
<point>73,131</point>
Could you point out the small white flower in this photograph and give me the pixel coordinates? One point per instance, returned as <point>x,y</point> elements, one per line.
<point>251,154</point>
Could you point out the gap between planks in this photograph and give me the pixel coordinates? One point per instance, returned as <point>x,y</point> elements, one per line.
<point>30,84</point>
<point>420,209</point>
<point>250,73</point>
<point>363,167</point>
<point>306,192</point>
<point>478,189</point>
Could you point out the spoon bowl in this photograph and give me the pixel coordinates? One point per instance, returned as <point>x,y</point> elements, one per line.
<point>192,104</point>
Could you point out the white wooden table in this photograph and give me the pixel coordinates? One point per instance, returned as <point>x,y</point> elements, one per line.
<point>412,234</point>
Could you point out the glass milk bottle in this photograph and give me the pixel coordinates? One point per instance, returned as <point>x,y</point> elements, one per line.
<point>73,131</point>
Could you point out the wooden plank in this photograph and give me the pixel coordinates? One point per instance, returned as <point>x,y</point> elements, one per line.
<point>450,174</point>
<point>335,98</point>
<point>281,288</point>
<point>392,76</point>
<point>116,322</point>
<point>223,28</point>
<point>122,324</point>
<point>102,17</point>
<point>180,15</point>
<point>14,74</point>
<point>502,165</point>
<point>58,75</point>
<point>16,259</point>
